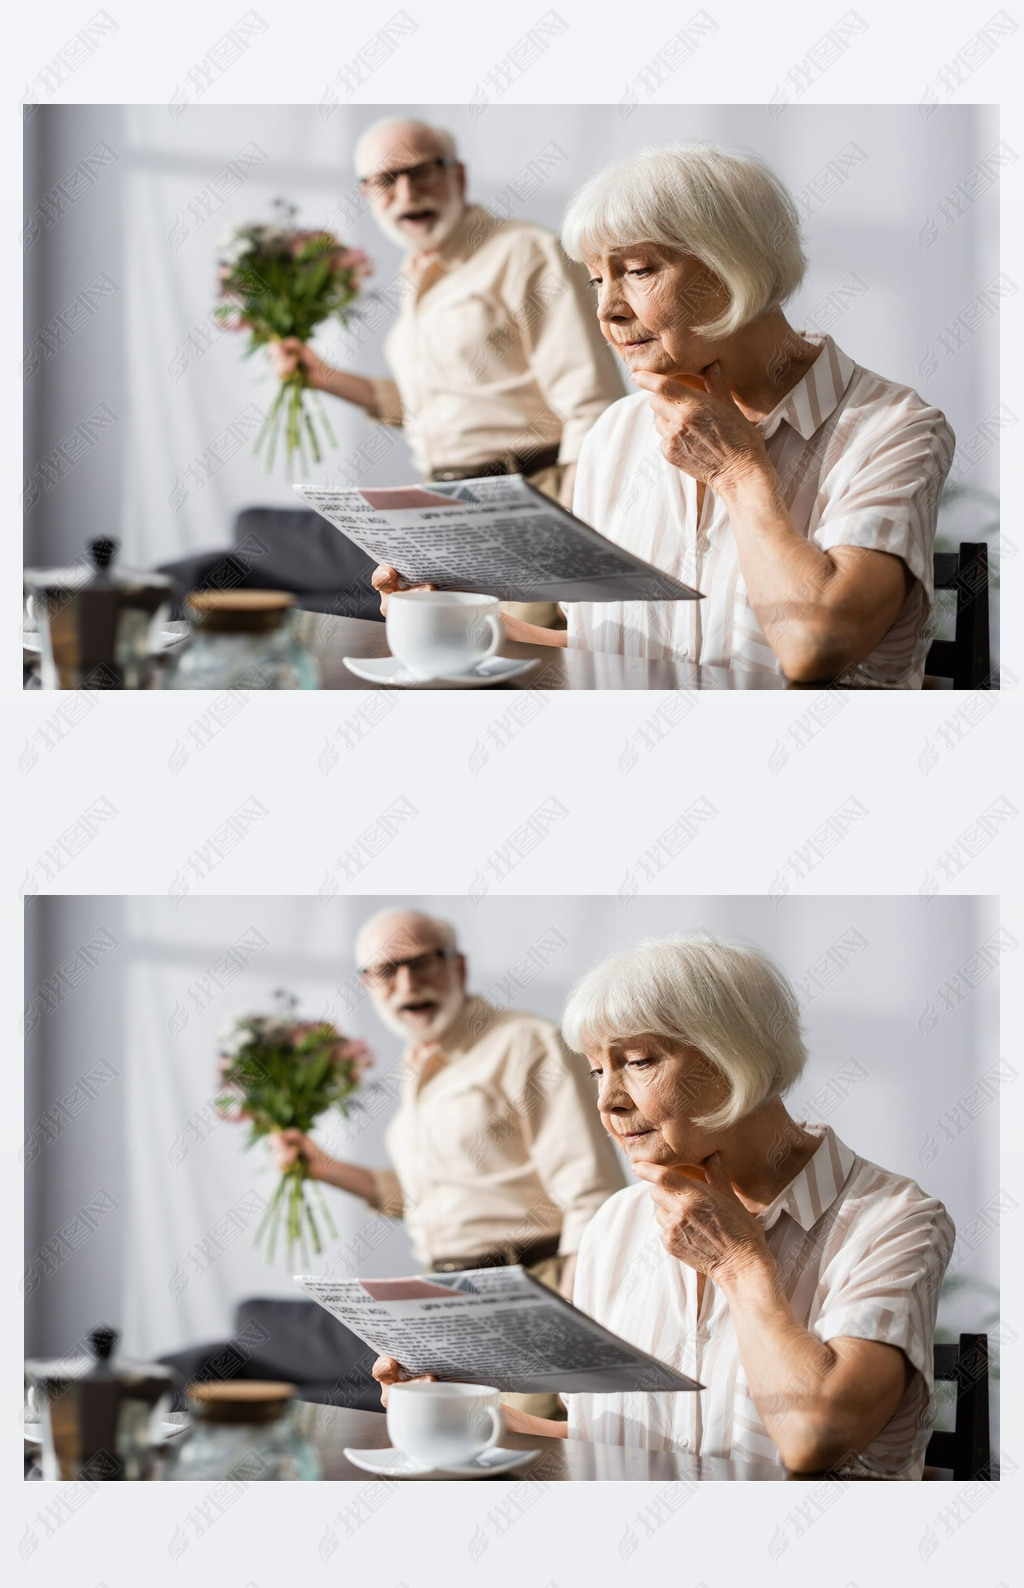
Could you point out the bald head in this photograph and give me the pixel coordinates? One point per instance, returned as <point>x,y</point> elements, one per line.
<point>394,141</point>
<point>396,934</point>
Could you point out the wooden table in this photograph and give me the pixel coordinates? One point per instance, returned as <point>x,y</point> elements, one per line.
<point>331,1428</point>
<point>557,666</point>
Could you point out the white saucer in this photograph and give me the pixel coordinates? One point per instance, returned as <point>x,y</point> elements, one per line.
<point>396,1464</point>
<point>388,670</point>
<point>169,636</point>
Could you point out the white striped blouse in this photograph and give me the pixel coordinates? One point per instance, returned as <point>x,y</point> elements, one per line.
<point>862,462</point>
<point>861,1252</point>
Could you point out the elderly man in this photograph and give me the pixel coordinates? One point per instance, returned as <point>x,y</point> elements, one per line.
<point>498,1154</point>
<point>498,363</point>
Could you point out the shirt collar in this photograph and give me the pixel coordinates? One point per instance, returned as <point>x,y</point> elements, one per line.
<point>816,396</point>
<point>472,229</point>
<point>811,1193</point>
<point>465,1031</point>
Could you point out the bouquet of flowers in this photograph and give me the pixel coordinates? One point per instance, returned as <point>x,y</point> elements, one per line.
<point>279,1072</point>
<point>275,281</point>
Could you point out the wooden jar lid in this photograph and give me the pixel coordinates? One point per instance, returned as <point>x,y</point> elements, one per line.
<point>239,611</point>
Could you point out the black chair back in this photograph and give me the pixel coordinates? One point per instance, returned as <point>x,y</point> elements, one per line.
<point>966,658</point>
<point>967,1450</point>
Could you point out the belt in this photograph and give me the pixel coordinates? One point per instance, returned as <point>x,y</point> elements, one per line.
<point>508,463</point>
<point>503,1258</point>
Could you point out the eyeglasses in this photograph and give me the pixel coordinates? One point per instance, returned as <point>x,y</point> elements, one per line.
<point>423,967</point>
<point>425,174</point>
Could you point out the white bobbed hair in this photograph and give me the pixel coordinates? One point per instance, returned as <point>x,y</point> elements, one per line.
<point>729,1000</point>
<point>727,209</point>
<point>445,931</point>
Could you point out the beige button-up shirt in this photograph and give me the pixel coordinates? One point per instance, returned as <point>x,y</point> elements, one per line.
<point>496,1139</point>
<point>860,1252</point>
<point>496,348</point>
<point>861,461</point>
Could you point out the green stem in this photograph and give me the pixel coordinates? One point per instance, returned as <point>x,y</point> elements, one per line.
<point>325,1212</point>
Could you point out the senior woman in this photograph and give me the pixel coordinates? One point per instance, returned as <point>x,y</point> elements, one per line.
<point>759,1255</point>
<point>759,464</point>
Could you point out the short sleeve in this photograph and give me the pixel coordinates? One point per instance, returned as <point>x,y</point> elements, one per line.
<point>889,1287</point>
<point>890,502</point>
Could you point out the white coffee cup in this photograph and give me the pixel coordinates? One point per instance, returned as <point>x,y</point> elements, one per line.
<point>444,1425</point>
<point>438,633</point>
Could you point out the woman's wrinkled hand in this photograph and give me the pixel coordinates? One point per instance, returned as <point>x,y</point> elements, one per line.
<point>703,432</point>
<point>703,1223</point>
<point>387,580</point>
<point>387,1372</point>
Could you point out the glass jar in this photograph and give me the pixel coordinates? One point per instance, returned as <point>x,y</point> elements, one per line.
<point>243,639</point>
<point>243,1430</point>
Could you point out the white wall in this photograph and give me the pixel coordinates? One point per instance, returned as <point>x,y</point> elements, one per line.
<point>152,1006</point>
<point>169,474</point>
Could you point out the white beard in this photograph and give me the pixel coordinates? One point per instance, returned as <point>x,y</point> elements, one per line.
<point>445,1016</point>
<point>448,217</point>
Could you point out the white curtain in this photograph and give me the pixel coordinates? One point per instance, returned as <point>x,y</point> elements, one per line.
<point>896,1035</point>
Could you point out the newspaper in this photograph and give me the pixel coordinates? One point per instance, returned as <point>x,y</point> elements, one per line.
<point>496,1326</point>
<point>498,536</point>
